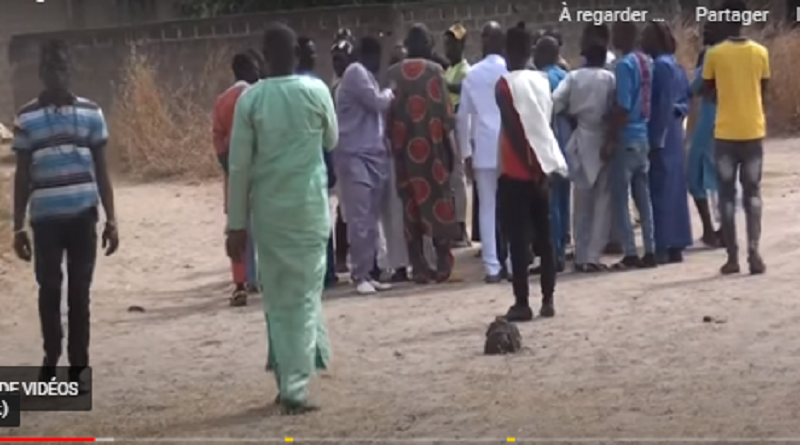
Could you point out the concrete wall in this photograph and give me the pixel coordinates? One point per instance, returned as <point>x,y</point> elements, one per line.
<point>181,48</point>
<point>28,16</point>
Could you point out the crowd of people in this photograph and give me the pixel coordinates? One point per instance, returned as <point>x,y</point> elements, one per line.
<point>524,129</point>
<point>553,154</point>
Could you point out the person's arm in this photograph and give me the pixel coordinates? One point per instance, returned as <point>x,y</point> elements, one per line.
<point>710,75</point>
<point>661,104</point>
<point>683,98</point>
<point>22,147</point>
<point>561,96</point>
<point>218,129</point>
<point>464,121</point>
<point>330,134</point>
<point>98,138</point>
<point>623,103</point>
<point>240,160</point>
<point>766,74</point>
<point>358,83</point>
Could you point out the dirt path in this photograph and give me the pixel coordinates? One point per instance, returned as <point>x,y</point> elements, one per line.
<point>628,355</point>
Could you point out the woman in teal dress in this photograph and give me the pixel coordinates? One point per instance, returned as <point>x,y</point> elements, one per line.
<point>701,173</point>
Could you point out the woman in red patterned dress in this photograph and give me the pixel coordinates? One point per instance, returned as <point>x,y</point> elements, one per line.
<point>419,124</point>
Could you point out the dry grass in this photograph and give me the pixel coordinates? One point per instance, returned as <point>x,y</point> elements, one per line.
<point>161,132</point>
<point>5,216</point>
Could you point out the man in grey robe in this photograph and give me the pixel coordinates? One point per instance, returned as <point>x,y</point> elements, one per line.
<point>587,95</point>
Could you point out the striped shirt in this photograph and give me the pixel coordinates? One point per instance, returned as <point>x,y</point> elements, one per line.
<point>60,141</point>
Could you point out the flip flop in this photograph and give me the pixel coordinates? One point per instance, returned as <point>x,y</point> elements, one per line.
<point>238,299</point>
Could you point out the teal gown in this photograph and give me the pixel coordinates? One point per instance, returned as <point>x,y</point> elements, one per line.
<point>278,172</point>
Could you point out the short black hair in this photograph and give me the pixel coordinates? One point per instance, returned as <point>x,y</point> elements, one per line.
<point>369,46</point>
<point>666,39</point>
<point>419,41</point>
<point>734,5</point>
<point>595,54</point>
<point>519,40</point>
<point>600,32</point>
<point>554,33</point>
<point>241,64</point>
<point>53,52</point>
<point>304,42</point>
<point>280,42</point>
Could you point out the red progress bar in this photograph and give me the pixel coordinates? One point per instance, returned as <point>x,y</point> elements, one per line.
<point>47,439</point>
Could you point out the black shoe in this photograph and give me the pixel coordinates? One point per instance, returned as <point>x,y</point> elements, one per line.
<point>675,256</point>
<point>648,261</point>
<point>75,376</point>
<point>493,279</point>
<point>756,263</point>
<point>548,309</point>
<point>730,267</point>
<point>400,276</point>
<point>47,372</point>
<point>519,313</point>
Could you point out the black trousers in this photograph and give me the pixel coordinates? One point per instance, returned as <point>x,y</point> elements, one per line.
<point>340,238</point>
<point>76,240</point>
<point>525,205</point>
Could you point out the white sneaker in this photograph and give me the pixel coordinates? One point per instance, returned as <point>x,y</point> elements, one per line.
<point>380,286</point>
<point>365,288</point>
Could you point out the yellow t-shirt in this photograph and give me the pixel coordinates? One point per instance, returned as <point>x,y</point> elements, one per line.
<point>456,74</point>
<point>737,67</point>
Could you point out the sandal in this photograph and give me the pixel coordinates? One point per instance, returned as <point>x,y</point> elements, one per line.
<point>591,268</point>
<point>239,298</point>
<point>627,263</point>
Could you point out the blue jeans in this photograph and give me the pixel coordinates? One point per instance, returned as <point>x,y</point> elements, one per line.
<point>559,215</point>
<point>629,170</point>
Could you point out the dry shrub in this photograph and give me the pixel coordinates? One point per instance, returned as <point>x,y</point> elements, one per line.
<point>5,216</point>
<point>162,132</point>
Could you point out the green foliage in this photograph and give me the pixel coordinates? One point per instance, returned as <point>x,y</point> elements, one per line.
<point>215,8</point>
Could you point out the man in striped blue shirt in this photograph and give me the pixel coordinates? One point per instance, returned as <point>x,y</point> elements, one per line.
<point>59,141</point>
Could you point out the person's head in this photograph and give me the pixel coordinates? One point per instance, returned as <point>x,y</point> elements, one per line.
<point>454,40</point>
<point>369,53</point>
<point>280,50</point>
<point>493,39</point>
<point>54,66</point>
<point>711,34</point>
<point>307,54</point>
<point>517,50</point>
<point>595,35</point>
<point>595,55</point>
<point>732,28</point>
<point>623,36</point>
<point>419,42</point>
<point>555,34</point>
<point>245,68</point>
<point>258,58</point>
<point>341,56</point>
<point>399,53</point>
<point>546,52</point>
<point>657,39</point>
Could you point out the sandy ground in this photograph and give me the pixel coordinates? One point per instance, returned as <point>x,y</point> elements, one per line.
<point>628,355</point>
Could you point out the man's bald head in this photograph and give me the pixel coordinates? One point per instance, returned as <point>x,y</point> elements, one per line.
<point>493,38</point>
<point>546,52</point>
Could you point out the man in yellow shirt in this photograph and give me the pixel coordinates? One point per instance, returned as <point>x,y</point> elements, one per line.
<point>454,41</point>
<point>737,72</point>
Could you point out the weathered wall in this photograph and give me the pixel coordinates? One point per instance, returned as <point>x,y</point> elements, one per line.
<point>181,48</point>
<point>26,16</point>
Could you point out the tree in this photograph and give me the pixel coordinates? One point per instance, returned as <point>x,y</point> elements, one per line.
<point>215,8</point>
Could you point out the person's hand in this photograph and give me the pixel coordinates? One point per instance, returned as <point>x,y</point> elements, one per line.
<point>22,245</point>
<point>236,244</point>
<point>110,238</point>
<point>607,152</point>
<point>468,171</point>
